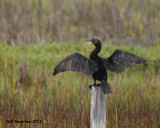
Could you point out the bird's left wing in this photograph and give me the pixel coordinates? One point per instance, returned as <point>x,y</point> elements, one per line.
<point>119,60</point>
<point>76,62</point>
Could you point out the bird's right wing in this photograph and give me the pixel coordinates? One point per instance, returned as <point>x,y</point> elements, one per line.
<point>76,62</point>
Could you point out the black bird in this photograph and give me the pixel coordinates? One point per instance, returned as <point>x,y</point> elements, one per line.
<point>98,66</point>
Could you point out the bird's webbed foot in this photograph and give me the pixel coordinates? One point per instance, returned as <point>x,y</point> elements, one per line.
<point>90,86</point>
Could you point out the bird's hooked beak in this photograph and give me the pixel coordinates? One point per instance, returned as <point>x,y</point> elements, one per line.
<point>90,41</point>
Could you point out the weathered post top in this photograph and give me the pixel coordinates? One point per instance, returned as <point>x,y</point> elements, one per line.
<point>98,108</point>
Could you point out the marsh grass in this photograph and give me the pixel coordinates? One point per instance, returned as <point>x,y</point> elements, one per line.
<point>132,22</point>
<point>28,91</point>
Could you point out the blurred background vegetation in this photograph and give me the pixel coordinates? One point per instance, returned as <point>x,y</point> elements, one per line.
<point>35,35</point>
<point>133,22</point>
<point>28,90</point>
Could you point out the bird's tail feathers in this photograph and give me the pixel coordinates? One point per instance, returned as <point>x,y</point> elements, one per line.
<point>106,89</point>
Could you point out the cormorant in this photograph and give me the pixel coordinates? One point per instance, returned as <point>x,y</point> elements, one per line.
<point>98,66</point>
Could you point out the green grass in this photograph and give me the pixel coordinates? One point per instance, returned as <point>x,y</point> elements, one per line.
<point>28,91</point>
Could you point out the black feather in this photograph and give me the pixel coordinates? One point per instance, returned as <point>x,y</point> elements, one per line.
<point>79,63</point>
<point>121,59</point>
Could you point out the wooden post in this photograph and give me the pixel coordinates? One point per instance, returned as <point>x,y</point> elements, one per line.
<point>98,108</point>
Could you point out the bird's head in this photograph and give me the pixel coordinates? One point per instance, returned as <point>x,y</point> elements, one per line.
<point>94,41</point>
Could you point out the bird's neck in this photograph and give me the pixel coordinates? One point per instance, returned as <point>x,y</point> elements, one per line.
<point>96,51</point>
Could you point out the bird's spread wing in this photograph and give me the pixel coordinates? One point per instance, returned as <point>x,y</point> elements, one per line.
<point>76,62</point>
<point>119,60</point>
